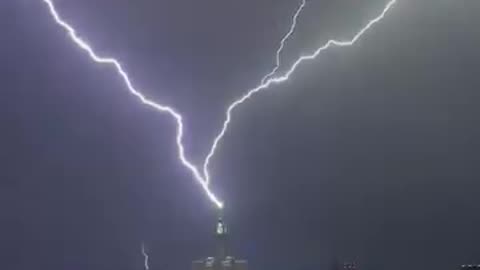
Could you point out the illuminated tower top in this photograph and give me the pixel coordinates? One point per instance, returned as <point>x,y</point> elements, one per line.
<point>221,227</point>
<point>222,259</point>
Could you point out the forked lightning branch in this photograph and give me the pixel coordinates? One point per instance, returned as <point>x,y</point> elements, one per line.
<point>268,80</point>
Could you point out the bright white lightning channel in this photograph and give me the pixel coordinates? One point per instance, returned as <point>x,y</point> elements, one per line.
<point>284,39</point>
<point>265,78</point>
<point>159,107</point>
<point>145,256</point>
<point>268,80</point>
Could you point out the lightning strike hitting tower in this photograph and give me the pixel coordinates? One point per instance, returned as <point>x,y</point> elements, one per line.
<point>269,80</point>
<point>222,259</point>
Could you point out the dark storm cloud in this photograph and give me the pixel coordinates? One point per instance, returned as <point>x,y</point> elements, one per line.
<point>369,153</point>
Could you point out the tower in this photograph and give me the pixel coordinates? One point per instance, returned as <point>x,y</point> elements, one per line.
<point>221,237</point>
<point>223,259</point>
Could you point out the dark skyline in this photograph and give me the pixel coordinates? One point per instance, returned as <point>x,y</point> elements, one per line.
<point>368,154</point>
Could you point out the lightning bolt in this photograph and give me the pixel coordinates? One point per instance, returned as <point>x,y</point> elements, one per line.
<point>264,79</point>
<point>159,107</point>
<point>284,39</point>
<point>266,82</point>
<point>145,256</point>
<point>269,81</point>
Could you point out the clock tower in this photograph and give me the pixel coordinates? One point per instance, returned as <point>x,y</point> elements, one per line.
<point>221,237</point>
<point>222,259</point>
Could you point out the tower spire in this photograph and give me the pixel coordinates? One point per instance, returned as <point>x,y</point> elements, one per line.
<point>221,235</point>
<point>223,259</point>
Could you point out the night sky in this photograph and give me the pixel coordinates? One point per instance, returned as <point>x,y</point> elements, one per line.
<point>368,154</point>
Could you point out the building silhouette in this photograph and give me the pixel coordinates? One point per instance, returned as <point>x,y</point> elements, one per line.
<point>336,265</point>
<point>222,259</point>
<point>470,267</point>
<point>349,266</point>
